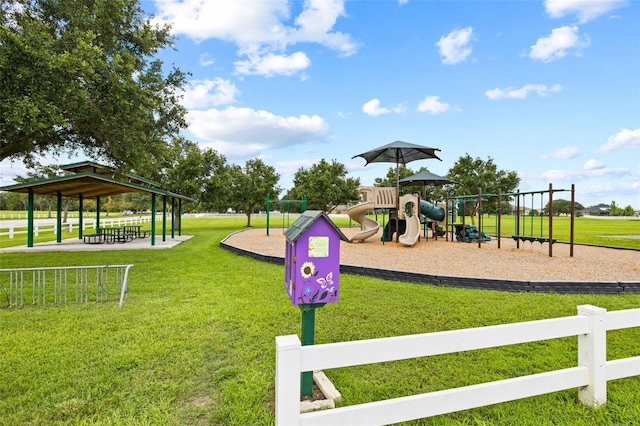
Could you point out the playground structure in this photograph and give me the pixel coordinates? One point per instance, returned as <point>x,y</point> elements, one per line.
<point>408,215</point>
<point>372,198</point>
<point>520,233</point>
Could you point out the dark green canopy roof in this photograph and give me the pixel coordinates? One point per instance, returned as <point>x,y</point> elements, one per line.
<point>91,180</point>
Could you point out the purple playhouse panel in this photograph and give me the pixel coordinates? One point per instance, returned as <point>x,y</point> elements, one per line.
<point>312,266</point>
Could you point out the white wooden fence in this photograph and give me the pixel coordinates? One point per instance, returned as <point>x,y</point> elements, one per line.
<point>65,284</point>
<point>590,376</point>
<point>12,230</point>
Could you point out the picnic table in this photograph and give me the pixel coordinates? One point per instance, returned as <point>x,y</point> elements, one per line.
<point>118,234</point>
<point>136,230</point>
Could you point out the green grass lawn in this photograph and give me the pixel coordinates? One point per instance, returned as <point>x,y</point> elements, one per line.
<point>195,343</point>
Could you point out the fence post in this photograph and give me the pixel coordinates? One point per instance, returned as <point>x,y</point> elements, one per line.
<point>11,229</point>
<point>288,380</point>
<point>592,353</point>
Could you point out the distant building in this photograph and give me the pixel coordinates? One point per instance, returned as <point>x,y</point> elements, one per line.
<point>599,210</point>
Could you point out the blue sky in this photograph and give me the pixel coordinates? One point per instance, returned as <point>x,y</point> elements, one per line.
<point>549,89</point>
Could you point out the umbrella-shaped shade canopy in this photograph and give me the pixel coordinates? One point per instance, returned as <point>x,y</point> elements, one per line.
<point>399,152</point>
<point>425,178</point>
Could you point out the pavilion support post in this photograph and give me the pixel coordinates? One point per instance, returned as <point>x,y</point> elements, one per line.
<point>164,218</point>
<point>97,215</point>
<point>180,217</point>
<point>153,219</point>
<point>80,209</point>
<point>59,218</point>
<point>30,218</point>
<point>173,216</point>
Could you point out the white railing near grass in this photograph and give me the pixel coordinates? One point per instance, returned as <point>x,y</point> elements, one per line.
<point>60,285</point>
<point>590,376</point>
<point>12,230</point>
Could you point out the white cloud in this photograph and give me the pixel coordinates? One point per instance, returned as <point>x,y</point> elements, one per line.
<point>454,47</point>
<point>259,28</point>
<point>271,64</point>
<point>566,153</point>
<point>578,174</point>
<point>593,164</point>
<point>432,105</point>
<point>288,169</point>
<point>523,92</point>
<point>316,22</point>
<point>246,132</point>
<point>204,59</point>
<point>558,44</point>
<point>625,138</point>
<point>401,2</point>
<point>206,93</point>
<point>374,109</point>
<point>585,10</point>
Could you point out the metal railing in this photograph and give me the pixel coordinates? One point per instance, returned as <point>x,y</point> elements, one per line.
<point>61,285</point>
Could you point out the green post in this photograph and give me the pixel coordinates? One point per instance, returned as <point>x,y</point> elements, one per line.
<point>173,215</point>
<point>97,215</point>
<point>80,202</point>
<point>30,218</point>
<point>153,219</point>
<point>268,208</point>
<point>308,331</point>
<point>59,218</point>
<point>164,218</point>
<point>304,204</point>
<point>180,217</point>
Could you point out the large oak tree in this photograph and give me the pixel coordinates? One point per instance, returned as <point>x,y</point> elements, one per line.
<point>80,76</point>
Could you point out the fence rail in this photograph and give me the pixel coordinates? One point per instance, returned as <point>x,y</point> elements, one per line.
<point>61,285</point>
<point>590,376</point>
<point>12,230</point>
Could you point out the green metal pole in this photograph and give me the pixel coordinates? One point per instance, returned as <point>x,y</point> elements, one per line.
<point>164,218</point>
<point>180,217</point>
<point>153,219</point>
<point>97,215</point>
<point>30,218</point>
<point>59,218</point>
<point>80,202</point>
<point>173,215</point>
<point>268,208</point>
<point>308,331</point>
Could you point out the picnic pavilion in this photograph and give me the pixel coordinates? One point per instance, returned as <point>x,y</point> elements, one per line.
<point>89,180</point>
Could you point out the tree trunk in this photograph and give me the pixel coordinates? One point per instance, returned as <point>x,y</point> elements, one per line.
<point>248,219</point>
<point>176,220</point>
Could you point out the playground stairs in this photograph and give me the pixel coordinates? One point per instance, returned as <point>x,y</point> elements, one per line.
<point>471,234</point>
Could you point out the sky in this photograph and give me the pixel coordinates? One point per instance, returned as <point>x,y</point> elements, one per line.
<point>549,89</point>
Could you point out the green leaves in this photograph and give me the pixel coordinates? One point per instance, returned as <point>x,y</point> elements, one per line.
<point>78,76</point>
<point>325,184</point>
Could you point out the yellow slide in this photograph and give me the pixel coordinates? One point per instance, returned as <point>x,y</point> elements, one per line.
<point>369,226</point>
